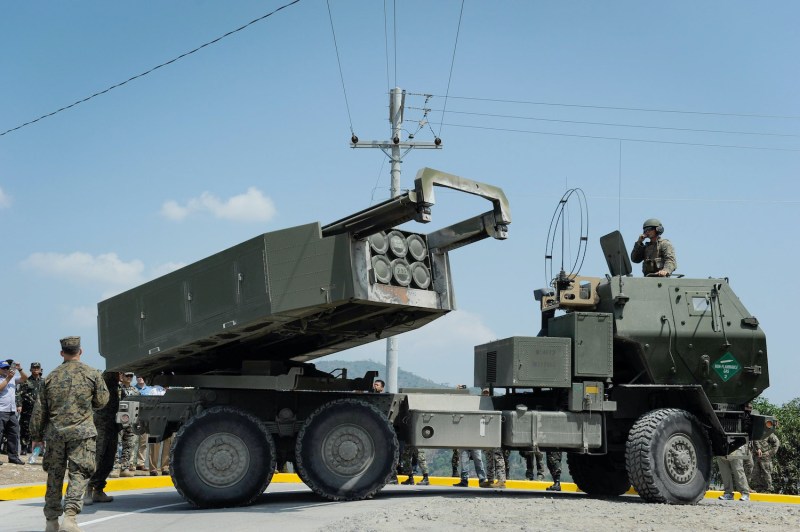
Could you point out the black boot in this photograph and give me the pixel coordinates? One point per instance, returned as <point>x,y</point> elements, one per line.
<point>556,485</point>
<point>425,481</point>
<point>409,481</point>
<point>463,484</point>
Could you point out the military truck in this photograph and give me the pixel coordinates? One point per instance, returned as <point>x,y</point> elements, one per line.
<point>641,381</point>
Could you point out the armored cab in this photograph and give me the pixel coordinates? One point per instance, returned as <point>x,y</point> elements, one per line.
<point>640,380</point>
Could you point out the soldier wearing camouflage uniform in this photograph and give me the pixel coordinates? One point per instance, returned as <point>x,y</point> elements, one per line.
<point>27,392</point>
<point>63,418</point>
<point>534,460</point>
<point>554,466</point>
<point>658,254</point>
<point>127,465</point>
<point>105,420</point>
<point>763,453</point>
<point>495,469</point>
<point>409,453</point>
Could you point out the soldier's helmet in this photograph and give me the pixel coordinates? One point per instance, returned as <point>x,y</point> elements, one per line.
<point>653,222</point>
<point>36,365</point>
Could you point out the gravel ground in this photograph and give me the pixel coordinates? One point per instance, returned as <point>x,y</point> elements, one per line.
<point>515,510</point>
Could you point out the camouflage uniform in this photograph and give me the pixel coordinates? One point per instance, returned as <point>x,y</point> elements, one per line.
<point>107,434</point>
<point>126,435</point>
<point>534,460</point>
<point>454,462</point>
<point>554,466</point>
<point>658,255</point>
<point>63,417</point>
<point>27,392</point>
<point>762,467</point>
<point>495,468</point>
<point>409,453</point>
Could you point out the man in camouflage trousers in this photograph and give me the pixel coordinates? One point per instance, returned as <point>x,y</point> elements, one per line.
<point>27,393</point>
<point>534,460</point>
<point>554,466</point>
<point>495,469</point>
<point>105,420</point>
<point>127,465</point>
<point>63,418</point>
<point>763,453</point>
<point>409,453</point>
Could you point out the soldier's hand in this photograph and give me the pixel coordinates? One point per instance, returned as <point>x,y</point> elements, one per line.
<point>759,453</point>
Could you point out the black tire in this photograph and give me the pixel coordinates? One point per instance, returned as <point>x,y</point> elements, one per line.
<point>222,457</point>
<point>599,475</point>
<point>668,457</point>
<point>346,451</point>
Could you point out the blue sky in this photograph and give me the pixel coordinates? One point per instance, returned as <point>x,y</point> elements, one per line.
<point>251,135</point>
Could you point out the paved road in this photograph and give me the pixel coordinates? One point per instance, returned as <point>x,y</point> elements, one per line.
<point>291,507</point>
<point>286,507</point>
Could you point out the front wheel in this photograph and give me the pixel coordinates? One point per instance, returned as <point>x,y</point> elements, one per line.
<point>222,457</point>
<point>668,457</point>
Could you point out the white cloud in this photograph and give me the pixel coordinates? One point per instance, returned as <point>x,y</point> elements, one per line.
<point>5,199</point>
<point>106,268</point>
<point>252,206</point>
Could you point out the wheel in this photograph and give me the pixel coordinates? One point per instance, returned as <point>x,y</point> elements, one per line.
<point>346,451</point>
<point>222,457</point>
<point>668,457</point>
<point>599,475</point>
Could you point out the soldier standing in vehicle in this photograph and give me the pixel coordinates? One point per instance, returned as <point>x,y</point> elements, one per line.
<point>763,453</point>
<point>64,411</point>
<point>658,254</point>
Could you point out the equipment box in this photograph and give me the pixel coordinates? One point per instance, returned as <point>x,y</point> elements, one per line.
<point>525,362</point>
<point>453,429</point>
<point>592,341</point>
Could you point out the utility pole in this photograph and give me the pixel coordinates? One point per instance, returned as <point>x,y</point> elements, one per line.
<point>393,149</point>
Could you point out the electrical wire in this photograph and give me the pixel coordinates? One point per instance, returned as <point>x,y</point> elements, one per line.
<point>616,124</point>
<point>149,71</point>
<point>649,141</point>
<point>641,109</point>
<point>341,74</point>
<point>452,63</point>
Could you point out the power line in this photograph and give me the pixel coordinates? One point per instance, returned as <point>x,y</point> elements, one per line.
<point>452,63</point>
<point>612,124</point>
<point>149,71</point>
<point>599,137</point>
<point>341,74</point>
<point>642,109</point>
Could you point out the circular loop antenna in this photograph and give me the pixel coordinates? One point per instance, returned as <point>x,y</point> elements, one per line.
<point>560,230</point>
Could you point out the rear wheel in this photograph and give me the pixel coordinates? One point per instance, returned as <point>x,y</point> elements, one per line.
<point>347,450</point>
<point>222,457</point>
<point>599,475</point>
<point>668,457</point>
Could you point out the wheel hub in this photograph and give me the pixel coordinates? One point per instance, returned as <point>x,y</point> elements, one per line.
<point>348,450</point>
<point>222,460</point>
<point>680,458</point>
